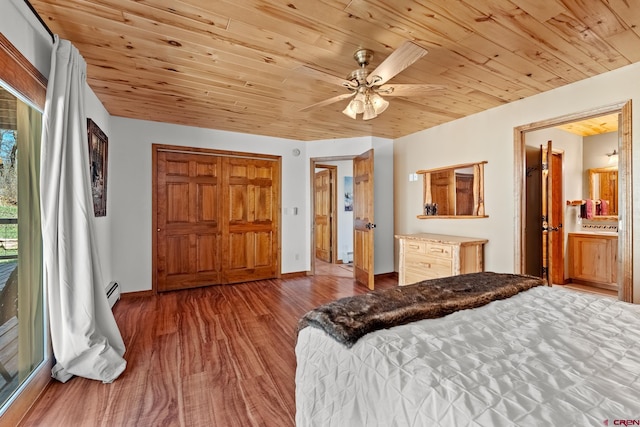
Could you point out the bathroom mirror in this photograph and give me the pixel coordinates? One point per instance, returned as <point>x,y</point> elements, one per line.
<point>603,185</point>
<point>453,191</point>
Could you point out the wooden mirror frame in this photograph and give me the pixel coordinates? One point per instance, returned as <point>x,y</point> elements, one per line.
<point>478,190</point>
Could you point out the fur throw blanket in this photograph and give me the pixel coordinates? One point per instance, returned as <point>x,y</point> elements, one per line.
<point>348,319</point>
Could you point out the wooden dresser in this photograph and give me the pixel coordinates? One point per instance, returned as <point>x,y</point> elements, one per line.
<point>429,256</point>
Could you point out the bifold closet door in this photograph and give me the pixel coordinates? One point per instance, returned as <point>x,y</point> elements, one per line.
<point>189,233</point>
<point>251,219</point>
<point>217,218</point>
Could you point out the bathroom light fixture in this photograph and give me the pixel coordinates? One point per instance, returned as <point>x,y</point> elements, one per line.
<point>613,157</point>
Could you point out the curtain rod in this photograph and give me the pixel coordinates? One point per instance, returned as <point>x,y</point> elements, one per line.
<point>46,27</point>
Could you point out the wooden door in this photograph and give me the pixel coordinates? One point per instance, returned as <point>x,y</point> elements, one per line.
<point>556,229</point>
<point>363,220</point>
<point>608,190</point>
<point>251,219</point>
<point>547,212</point>
<point>533,212</point>
<point>464,194</point>
<point>188,226</point>
<point>443,189</point>
<point>322,215</point>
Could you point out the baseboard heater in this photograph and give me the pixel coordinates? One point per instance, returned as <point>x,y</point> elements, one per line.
<point>113,293</point>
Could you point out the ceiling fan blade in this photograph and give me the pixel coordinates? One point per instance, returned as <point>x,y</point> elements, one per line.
<point>401,58</point>
<point>321,75</point>
<point>329,101</point>
<point>408,90</point>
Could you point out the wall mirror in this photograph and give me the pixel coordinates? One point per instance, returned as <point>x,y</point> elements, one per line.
<point>603,186</point>
<point>453,191</point>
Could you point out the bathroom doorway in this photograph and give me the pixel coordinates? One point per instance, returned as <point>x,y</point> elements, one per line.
<point>624,242</point>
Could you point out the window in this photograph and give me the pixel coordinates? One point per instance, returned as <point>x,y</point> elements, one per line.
<point>23,346</point>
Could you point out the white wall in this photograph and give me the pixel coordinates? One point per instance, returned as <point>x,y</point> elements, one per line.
<point>596,148</point>
<point>489,136</point>
<point>383,205</point>
<point>103,225</point>
<point>24,31</point>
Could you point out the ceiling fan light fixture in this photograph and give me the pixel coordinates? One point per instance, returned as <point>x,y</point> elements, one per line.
<point>367,87</point>
<point>379,103</point>
<point>349,111</point>
<point>358,102</point>
<point>357,106</point>
<point>369,111</point>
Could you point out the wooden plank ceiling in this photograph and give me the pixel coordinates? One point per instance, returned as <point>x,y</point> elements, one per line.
<point>232,64</point>
<point>595,126</point>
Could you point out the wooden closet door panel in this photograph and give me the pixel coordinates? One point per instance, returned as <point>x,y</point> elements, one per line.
<point>249,250</point>
<point>262,203</point>
<point>207,202</point>
<point>208,254</point>
<point>263,253</point>
<point>238,253</point>
<point>188,235</point>
<point>177,203</point>
<point>177,250</point>
<point>252,204</point>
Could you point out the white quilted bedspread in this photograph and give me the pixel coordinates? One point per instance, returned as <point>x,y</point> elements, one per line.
<point>545,357</point>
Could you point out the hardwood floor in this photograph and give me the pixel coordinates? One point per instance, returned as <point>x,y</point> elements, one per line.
<point>324,268</point>
<point>216,356</point>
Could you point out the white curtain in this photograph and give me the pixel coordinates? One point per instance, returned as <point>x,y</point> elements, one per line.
<point>85,337</point>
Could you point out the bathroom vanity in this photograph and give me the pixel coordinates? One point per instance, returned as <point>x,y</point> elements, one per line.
<point>593,259</point>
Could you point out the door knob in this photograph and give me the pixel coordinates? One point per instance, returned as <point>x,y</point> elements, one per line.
<point>370,226</point>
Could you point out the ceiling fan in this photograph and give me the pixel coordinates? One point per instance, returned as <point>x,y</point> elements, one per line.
<point>366,88</point>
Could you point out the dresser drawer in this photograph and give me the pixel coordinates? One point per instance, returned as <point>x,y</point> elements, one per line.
<point>423,268</point>
<point>439,250</point>
<point>428,248</point>
<point>415,247</point>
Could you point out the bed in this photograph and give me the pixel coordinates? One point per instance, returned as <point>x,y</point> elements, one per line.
<point>544,356</point>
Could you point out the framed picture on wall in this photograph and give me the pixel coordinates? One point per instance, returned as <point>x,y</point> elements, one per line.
<point>348,193</point>
<point>98,167</point>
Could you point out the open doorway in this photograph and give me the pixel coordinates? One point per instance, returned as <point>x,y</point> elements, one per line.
<point>332,217</point>
<point>359,202</point>
<point>621,264</point>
